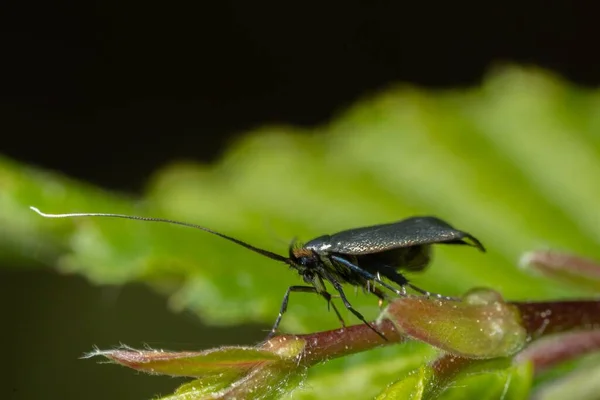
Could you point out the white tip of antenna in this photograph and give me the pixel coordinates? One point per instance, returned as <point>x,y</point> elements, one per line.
<point>36,210</point>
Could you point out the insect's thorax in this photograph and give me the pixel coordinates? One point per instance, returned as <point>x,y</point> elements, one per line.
<point>311,264</point>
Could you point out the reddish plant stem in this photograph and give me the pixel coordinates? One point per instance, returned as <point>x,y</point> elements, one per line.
<point>336,343</point>
<point>539,319</point>
<point>448,366</point>
<point>543,318</point>
<point>547,261</point>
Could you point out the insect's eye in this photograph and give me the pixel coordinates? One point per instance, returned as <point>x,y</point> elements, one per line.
<point>304,261</point>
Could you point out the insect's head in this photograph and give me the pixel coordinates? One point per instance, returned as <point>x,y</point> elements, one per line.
<point>301,258</point>
<point>304,261</point>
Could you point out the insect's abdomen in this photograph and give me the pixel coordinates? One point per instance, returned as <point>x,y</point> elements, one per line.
<point>414,258</point>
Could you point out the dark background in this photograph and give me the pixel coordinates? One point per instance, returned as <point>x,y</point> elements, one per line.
<point>108,91</point>
<point>128,85</point>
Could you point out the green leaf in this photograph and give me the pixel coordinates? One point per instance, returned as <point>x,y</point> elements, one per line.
<point>266,382</point>
<point>215,362</point>
<point>513,383</point>
<point>476,379</point>
<point>364,375</point>
<point>412,387</point>
<point>227,372</point>
<point>515,162</point>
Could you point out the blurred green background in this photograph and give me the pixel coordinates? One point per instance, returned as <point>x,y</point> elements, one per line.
<point>270,123</point>
<point>515,162</point>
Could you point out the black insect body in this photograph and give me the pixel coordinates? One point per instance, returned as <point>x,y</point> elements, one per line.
<point>360,257</point>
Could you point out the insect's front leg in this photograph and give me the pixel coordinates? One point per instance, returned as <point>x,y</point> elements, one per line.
<point>306,289</point>
<point>284,304</point>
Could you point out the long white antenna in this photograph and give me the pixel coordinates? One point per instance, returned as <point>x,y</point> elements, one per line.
<point>265,253</point>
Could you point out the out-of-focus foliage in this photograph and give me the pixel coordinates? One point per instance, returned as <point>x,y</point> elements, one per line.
<point>515,162</point>
<point>500,382</point>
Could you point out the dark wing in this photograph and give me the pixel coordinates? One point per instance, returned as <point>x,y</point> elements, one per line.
<point>413,231</point>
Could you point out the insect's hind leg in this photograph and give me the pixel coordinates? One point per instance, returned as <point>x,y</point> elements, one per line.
<point>401,280</point>
<point>430,294</point>
<point>350,308</point>
<point>379,293</point>
<point>330,303</point>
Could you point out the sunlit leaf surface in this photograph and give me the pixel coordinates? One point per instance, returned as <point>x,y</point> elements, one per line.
<point>515,162</point>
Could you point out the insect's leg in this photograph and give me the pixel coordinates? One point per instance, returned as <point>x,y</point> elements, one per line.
<point>429,294</point>
<point>284,304</point>
<point>328,297</point>
<point>398,278</point>
<point>365,274</point>
<point>377,292</point>
<point>358,315</point>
